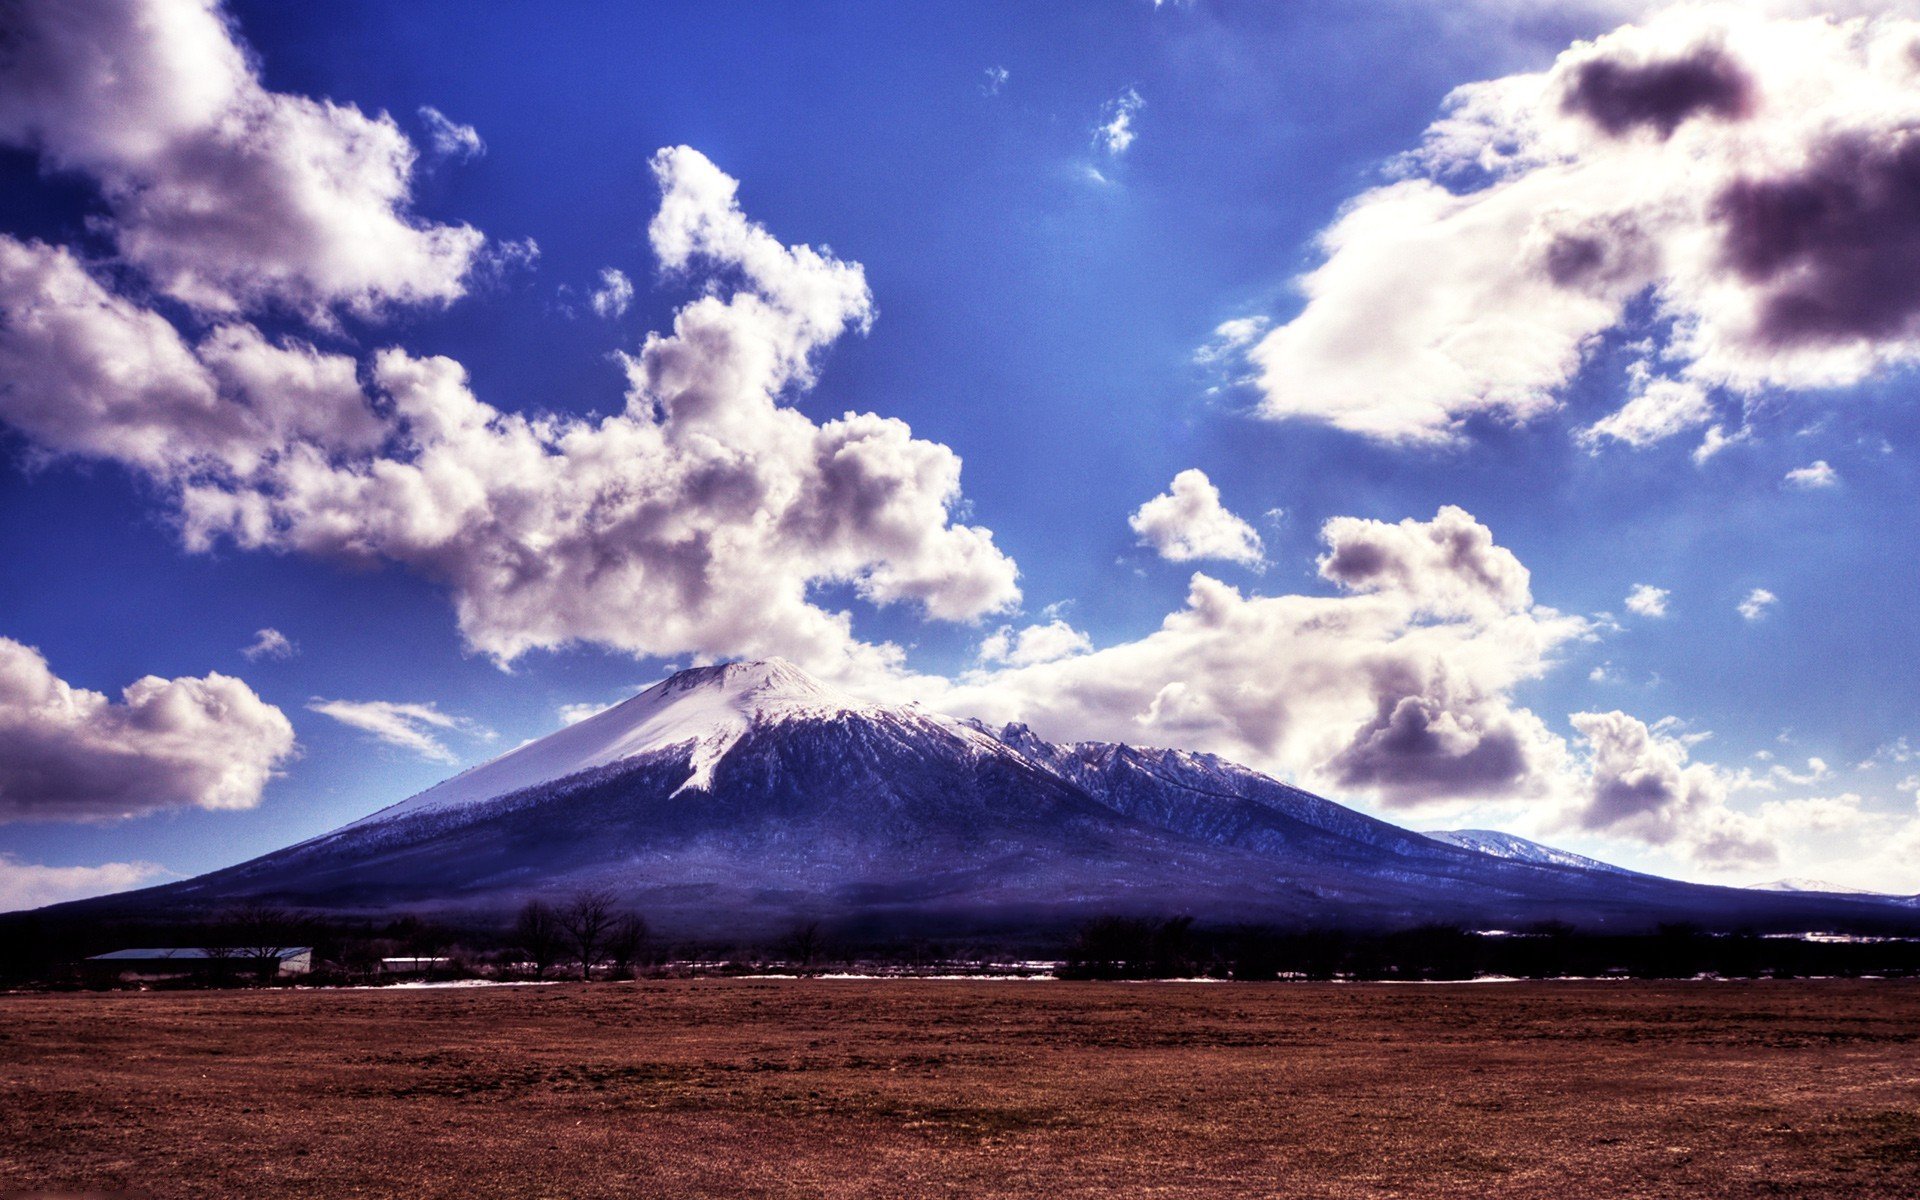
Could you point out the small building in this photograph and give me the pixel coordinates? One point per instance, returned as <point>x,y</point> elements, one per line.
<point>179,962</point>
<point>414,965</point>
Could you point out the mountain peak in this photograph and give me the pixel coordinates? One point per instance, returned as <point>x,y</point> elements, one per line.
<point>768,681</point>
<point>707,708</point>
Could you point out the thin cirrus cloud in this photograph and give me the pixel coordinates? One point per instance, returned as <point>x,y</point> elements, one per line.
<point>1188,522</point>
<point>415,728</point>
<point>1747,174</point>
<point>71,754</point>
<point>449,138</point>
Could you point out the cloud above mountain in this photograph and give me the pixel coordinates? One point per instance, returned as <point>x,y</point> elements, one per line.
<point>1748,177</point>
<point>698,520</point>
<point>1399,688</point>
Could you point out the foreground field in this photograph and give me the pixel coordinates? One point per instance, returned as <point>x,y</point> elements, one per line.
<point>896,1089</point>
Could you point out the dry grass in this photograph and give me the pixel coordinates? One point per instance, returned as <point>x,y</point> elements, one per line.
<point>896,1089</point>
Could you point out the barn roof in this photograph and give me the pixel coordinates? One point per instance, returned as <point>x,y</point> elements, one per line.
<point>185,953</point>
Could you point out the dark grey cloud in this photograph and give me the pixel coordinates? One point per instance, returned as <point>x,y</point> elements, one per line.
<point>1835,247</point>
<point>1417,747</point>
<point>1623,97</point>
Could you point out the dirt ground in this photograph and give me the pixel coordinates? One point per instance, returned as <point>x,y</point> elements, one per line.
<point>789,1088</point>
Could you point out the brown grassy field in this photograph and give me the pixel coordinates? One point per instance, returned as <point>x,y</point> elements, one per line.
<point>753,1088</point>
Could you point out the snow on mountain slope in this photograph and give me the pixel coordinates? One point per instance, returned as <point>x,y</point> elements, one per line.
<point>1519,849</point>
<point>1813,885</point>
<point>708,709</point>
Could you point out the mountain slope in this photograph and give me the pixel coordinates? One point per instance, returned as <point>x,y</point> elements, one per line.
<point>733,800</point>
<point>1519,849</point>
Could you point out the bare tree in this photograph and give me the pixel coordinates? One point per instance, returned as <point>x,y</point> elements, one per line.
<point>539,934</point>
<point>255,933</point>
<point>624,939</point>
<point>805,943</point>
<point>588,918</point>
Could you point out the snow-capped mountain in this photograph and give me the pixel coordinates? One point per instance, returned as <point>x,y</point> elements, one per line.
<point>735,799</point>
<point>1519,849</point>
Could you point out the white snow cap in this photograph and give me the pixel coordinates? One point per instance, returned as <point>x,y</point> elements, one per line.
<point>707,707</point>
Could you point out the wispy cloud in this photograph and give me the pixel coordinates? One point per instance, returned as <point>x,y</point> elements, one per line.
<point>1115,133</point>
<point>270,643</point>
<point>1758,603</point>
<point>412,727</point>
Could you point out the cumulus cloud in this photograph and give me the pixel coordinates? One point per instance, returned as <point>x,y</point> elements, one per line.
<point>1757,604</point>
<point>1115,133</point>
<point>26,885</point>
<point>449,138</point>
<point>996,78</point>
<point>67,753</point>
<point>1034,644</point>
<point>1188,522</point>
<point>270,643</point>
<point>411,727</point>
<point>1817,474</point>
<point>1399,689</point>
<point>225,195</point>
<point>1748,176</point>
<point>699,520</point>
<point>1648,601</point>
<point>614,294</point>
<point>1642,785</point>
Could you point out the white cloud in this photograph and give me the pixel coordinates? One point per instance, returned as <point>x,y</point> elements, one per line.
<point>270,643</point>
<point>1658,409</point>
<point>1814,475</point>
<point>1115,133</point>
<point>1717,439</point>
<point>224,194</point>
<point>449,138</point>
<point>412,727</point>
<point>1034,644</point>
<point>996,78</point>
<point>1399,689</point>
<point>1817,770</point>
<point>573,714</point>
<point>1648,601</point>
<point>1747,174</point>
<point>67,753</point>
<point>1230,339</point>
<point>1757,604</point>
<point>1188,522</point>
<point>26,885</point>
<point>698,521</point>
<point>1642,785</point>
<point>613,296</point>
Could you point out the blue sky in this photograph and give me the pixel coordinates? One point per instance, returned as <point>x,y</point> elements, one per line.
<point>1039,298</point>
